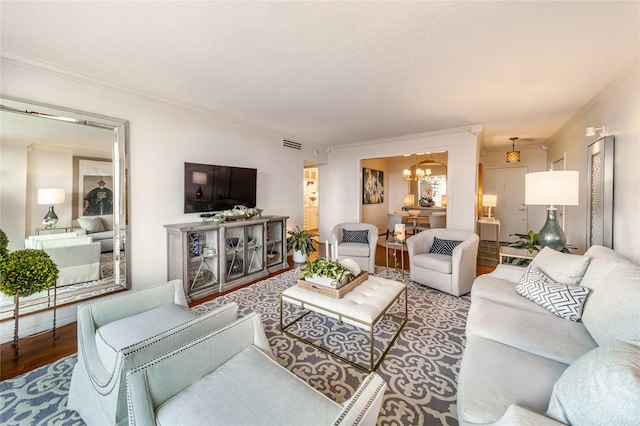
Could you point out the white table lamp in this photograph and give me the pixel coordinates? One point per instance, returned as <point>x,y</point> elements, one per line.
<point>552,189</point>
<point>489,201</point>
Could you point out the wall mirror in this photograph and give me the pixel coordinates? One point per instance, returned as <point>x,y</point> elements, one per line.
<point>430,190</point>
<point>84,157</point>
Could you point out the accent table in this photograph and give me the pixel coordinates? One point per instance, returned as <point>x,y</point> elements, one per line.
<point>494,222</point>
<point>396,245</point>
<point>515,252</point>
<point>362,307</point>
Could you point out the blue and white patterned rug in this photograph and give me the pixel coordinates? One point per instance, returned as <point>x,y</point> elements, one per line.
<point>421,369</point>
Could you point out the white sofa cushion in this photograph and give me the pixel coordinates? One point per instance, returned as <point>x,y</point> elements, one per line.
<point>354,249</point>
<point>494,376</point>
<point>91,224</point>
<point>565,301</point>
<point>435,262</point>
<point>65,242</point>
<point>612,310</point>
<point>110,339</point>
<point>34,241</point>
<point>540,333</point>
<point>600,388</point>
<point>234,394</point>
<point>562,268</point>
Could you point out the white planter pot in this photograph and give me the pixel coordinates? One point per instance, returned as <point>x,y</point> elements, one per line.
<point>299,257</point>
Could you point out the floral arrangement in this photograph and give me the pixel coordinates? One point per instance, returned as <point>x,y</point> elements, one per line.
<point>237,212</point>
<point>338,272</point>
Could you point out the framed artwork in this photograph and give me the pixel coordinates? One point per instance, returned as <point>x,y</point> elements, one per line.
<point>92,186</point>
<point>600,193</point>
<point>372,186</point>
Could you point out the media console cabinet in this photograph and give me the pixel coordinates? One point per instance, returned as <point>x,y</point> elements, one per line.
<point>210,257</point>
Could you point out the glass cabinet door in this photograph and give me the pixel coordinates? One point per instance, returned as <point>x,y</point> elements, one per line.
<point>254,248</point>
<point>203,259</point>
<point>274,243</point>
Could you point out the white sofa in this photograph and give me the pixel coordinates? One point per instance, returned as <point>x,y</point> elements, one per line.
<point>230,377</point>
<point>524,365</point>
<point>35,241</point>
<point>118,333</point>
<point>100,228</point>
<point>77,259</point>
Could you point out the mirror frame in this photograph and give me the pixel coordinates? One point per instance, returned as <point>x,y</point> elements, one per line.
<point>121,264</point>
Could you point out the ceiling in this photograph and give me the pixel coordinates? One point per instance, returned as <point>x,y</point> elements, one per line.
<point>343,72</point>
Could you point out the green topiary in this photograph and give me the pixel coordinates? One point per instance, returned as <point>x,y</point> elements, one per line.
<point>26,272</point>
<point>4,253</point>
<point>23,273</point>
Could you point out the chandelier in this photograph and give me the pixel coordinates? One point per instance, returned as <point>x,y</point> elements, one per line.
<point>420,174</point>
<point>513,156</point>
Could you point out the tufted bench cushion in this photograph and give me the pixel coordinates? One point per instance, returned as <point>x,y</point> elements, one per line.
<point>364,303</point>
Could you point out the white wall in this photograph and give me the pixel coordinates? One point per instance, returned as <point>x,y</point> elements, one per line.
<point>162,137</point>
<point>535,160</point>
<point>341,179</point>
<point>618,106</point>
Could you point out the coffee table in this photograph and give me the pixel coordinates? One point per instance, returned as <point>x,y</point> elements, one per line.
<point>362,307</point>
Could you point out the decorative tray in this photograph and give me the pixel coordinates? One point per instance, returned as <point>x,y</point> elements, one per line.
<point>336,293</point>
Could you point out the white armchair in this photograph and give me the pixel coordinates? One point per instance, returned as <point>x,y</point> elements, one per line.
<point>230,377</point>
<point>359,246</point>
<point>122,332</point>
<point>452,273</point>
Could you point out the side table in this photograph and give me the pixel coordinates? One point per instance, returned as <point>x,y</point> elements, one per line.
<point>516,253</point>
<point>396,245</point>
<point>56,230</point>
<point>496,223</point>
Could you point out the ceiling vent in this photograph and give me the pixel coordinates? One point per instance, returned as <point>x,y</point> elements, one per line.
<point>291,144</point>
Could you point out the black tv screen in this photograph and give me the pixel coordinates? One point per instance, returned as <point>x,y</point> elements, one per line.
<point>210,188</point>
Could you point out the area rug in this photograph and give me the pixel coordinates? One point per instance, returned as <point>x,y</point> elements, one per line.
<point>421,368</point>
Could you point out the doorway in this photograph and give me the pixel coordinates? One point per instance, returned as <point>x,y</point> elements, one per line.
<point>310,199</point>
<point>507,183</point>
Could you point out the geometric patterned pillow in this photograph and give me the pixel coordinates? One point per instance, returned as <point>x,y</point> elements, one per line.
<point>355,236</point>
<point>443,246</point>
<point>566,301</point>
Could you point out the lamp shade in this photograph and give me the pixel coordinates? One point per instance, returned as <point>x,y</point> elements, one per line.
<point>199,178</point>
<point>489,200</point>
<point>409,200</point>
<point>552,188</point>
<point>50,196</point>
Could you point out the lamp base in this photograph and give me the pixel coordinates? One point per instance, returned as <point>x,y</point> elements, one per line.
<point>50,219</point>
<point>551,235</point>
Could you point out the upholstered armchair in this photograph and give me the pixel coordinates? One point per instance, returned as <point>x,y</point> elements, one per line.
<point>447,264</point>
<point>230,377</point>
<point>356,241</point>
<point>122,332</point>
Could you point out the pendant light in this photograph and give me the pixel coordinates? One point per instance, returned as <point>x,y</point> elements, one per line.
<point>513,156</point>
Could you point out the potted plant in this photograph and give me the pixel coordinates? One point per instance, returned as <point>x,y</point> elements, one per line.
<point>301,243</point>
<point>329,272</point>
<point>529,242</point>
<point>23,273</point>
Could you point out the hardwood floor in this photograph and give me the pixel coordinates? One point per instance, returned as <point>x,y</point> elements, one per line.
<point>41,349</point>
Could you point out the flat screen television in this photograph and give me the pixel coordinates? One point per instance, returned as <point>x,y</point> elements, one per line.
<point>210,188</point>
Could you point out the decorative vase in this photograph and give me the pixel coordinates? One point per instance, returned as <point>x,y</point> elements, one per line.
<point>551,234</point>
<point>50,219</point>
<point>299,257</point>
<point>325,281</point>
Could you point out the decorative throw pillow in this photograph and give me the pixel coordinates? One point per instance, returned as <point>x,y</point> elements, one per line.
<point>565,301</point>
<point>600,387</point>
<point>91,224</point>
<point>561,267</point>
<point>355,236</point>
<point>443,246</point>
